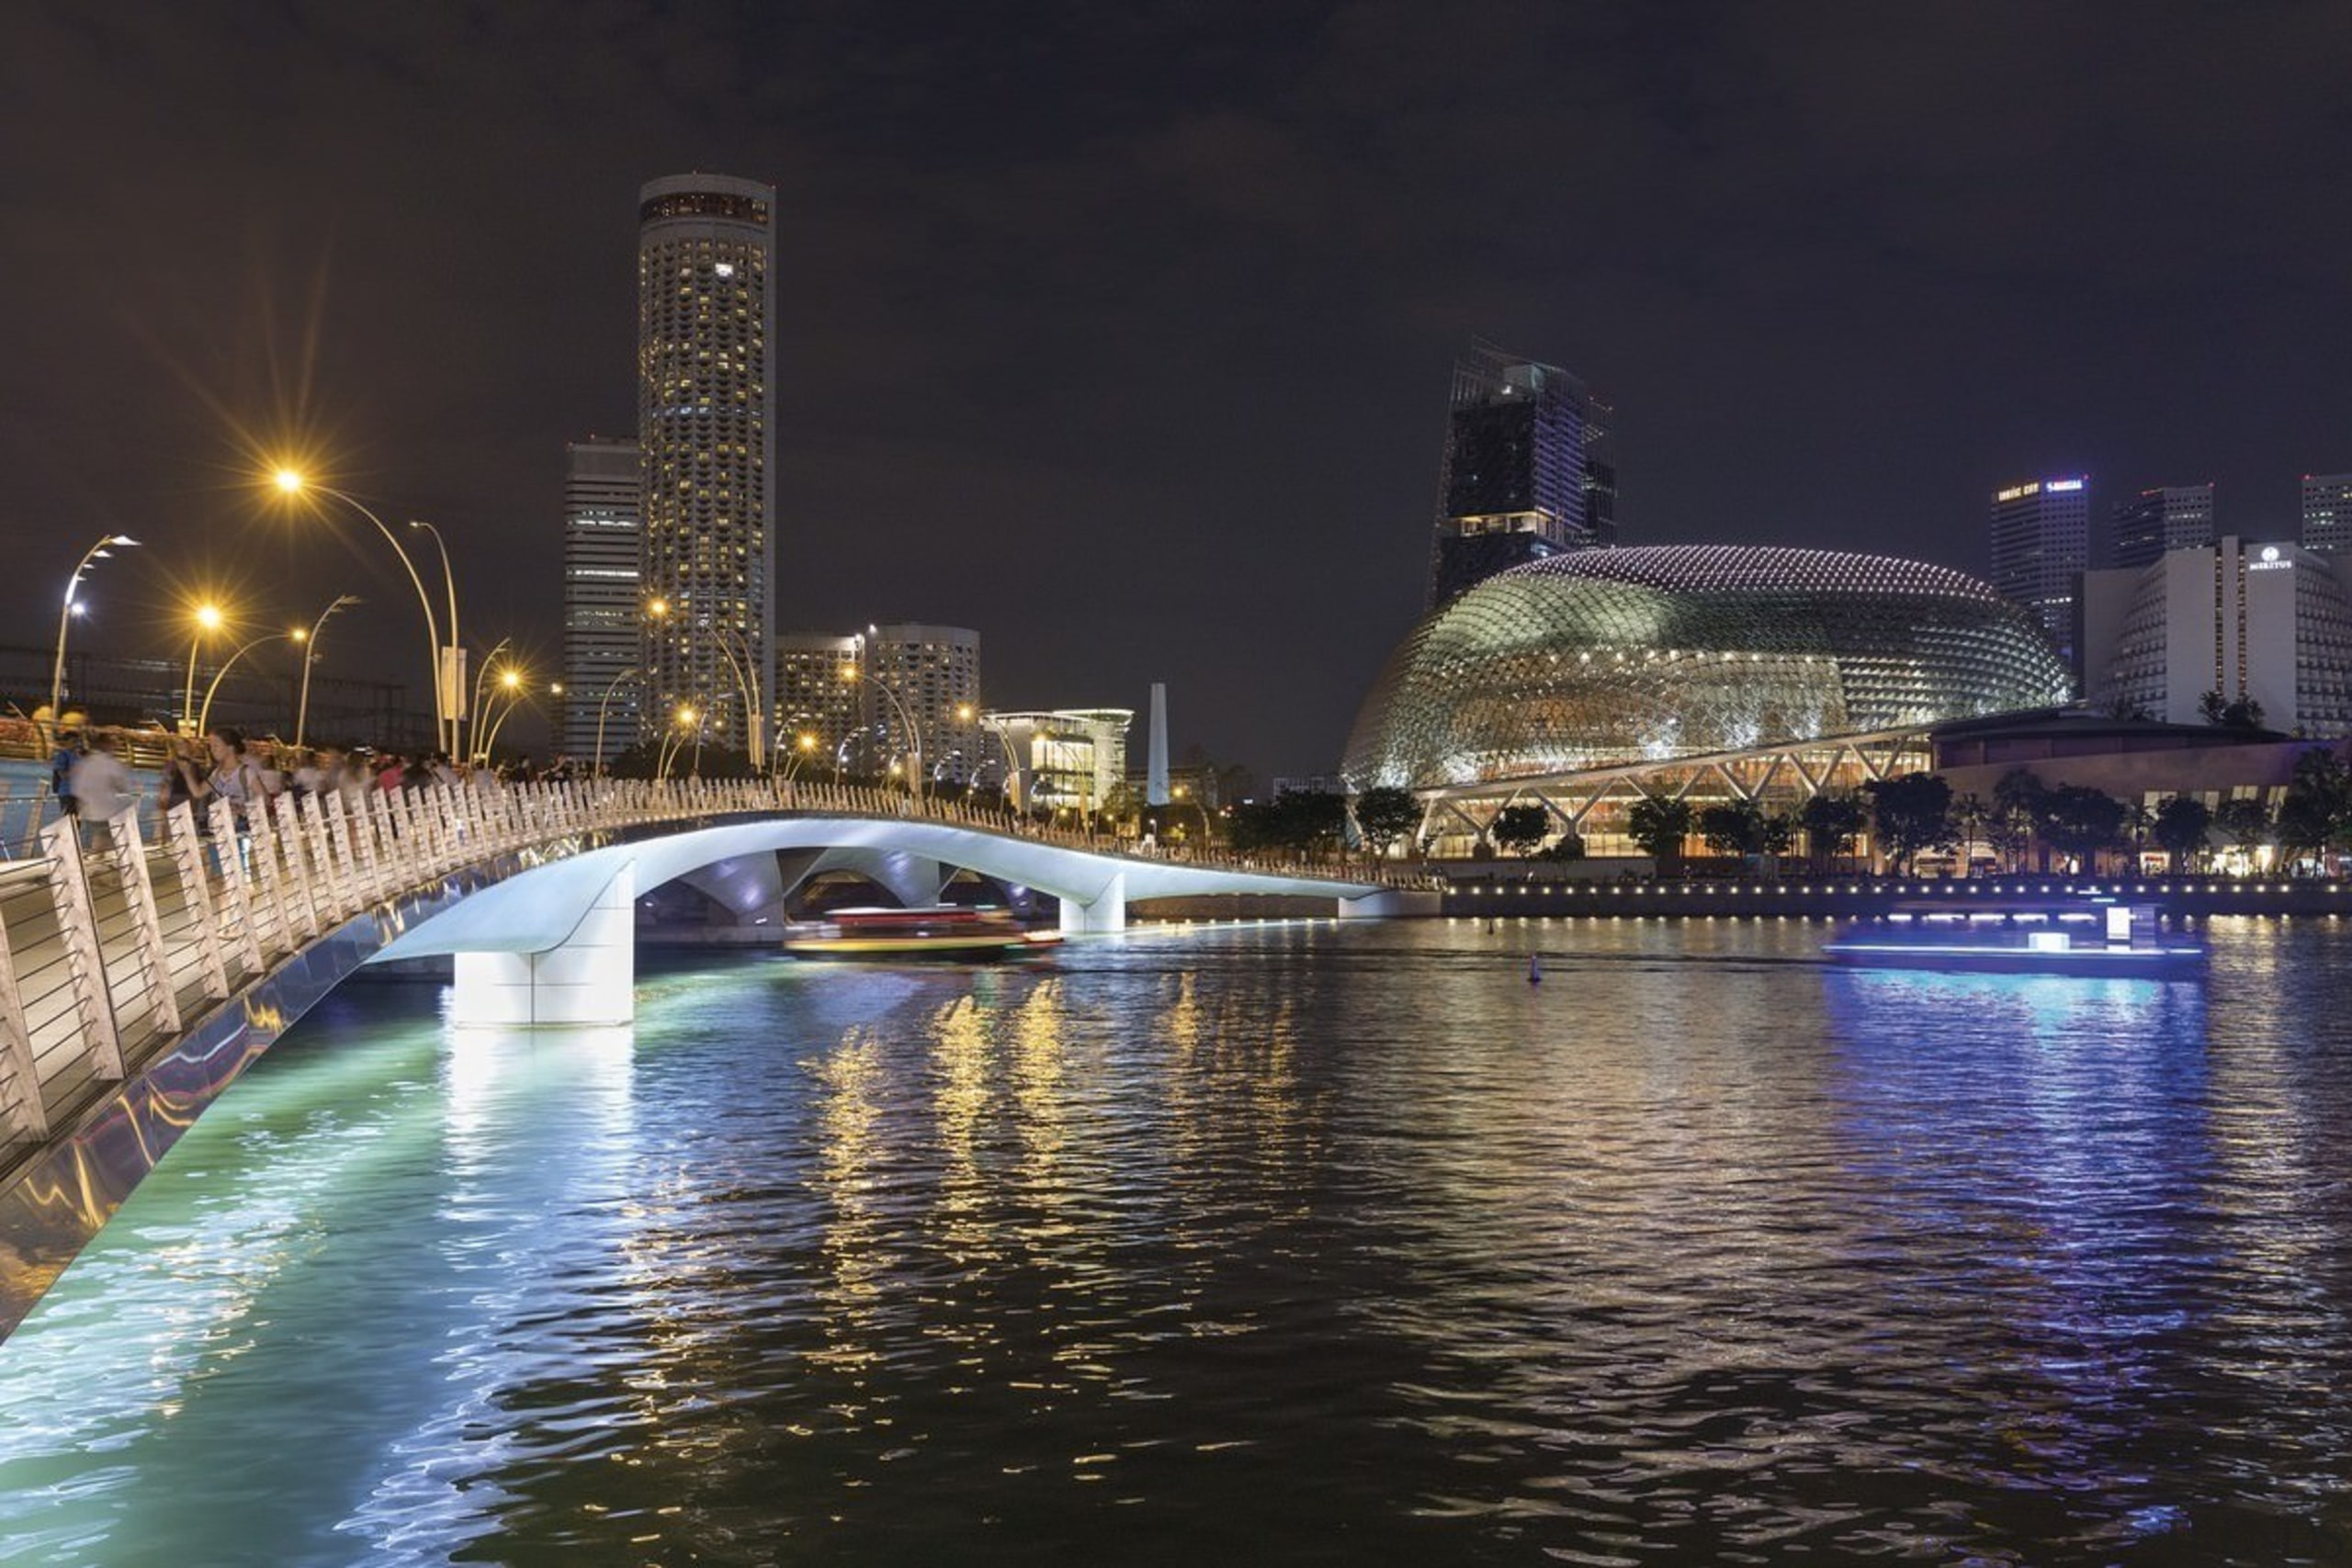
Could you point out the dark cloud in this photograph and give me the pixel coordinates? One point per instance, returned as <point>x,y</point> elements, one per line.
<point>1121,332</point>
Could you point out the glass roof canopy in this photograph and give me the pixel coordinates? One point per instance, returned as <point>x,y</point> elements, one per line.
<point>1604,658</point>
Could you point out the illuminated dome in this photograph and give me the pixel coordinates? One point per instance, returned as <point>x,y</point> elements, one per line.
<point>1603,657</point>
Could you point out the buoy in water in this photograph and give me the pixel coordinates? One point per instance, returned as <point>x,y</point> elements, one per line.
<point>1534,969</point>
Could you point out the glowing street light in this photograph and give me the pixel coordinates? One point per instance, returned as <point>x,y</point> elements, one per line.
<point>293,482</point>
<point>72,607</point>
<point>208,618</point>
<point>511,682</point>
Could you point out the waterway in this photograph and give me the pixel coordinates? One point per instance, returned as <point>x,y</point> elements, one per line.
<point>1295,1243</point>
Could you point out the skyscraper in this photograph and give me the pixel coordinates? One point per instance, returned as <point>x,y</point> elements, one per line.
<point>705,292</point>
<point>2327,514</point>
<point>813,698</point>
<point>600,596</point>
<point>935,674</point>
<point>1523,476</point>
<point>2169,517</point>
<point>2041,548</point>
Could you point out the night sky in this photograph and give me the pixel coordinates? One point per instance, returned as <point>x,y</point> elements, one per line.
<point>1122,331</point>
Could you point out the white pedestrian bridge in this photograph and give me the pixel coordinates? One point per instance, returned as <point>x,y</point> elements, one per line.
<point>139,977</point>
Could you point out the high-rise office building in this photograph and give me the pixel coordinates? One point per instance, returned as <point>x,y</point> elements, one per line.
<point>814,698</point>
<point>2327,514</point>
<point>2169,517</point>
<point>600,597</point>
<point>2041,548</point>
<point>935,674</point>
<point>705,292</point>
<point>1525,474</point>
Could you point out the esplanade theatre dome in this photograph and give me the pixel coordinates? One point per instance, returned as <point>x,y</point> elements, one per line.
<point>1604,657</point>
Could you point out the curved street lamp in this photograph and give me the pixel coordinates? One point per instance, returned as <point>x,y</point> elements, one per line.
<point>65,612</point>
<point>204,713</point>
<point>208,618</point>
<point>293,482</point>
<point>597,762</point>
<point>511,681</point>
<point>449,581</point>
<point>687,719</point>
<point>310,657</point>
<point>914,735</point>
<point>470,726</point>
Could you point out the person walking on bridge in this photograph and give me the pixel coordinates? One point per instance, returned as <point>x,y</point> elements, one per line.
<point>100,785</point>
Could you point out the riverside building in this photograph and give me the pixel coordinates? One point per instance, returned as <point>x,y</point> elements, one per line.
<point>2266,622</point>
<point>601,545</point>
<point>1527,471</point>
<point>2168,517</point>
<point>2040,538</point>
<point>2327,514</point>
<point>706,277</point>
<point>1589,681</point>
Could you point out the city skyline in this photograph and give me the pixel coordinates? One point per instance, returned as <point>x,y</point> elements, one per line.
<point>1064,334</point>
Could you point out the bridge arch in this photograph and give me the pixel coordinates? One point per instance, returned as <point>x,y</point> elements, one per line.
<point>554,943</point>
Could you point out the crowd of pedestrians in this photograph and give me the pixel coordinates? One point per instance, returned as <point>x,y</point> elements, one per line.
<point>91,783</point>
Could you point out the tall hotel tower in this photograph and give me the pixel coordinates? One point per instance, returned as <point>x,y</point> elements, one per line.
<point>2041,548</point>
<point>1524,474</point>
<point>601,600</point>
<point>706,423</point>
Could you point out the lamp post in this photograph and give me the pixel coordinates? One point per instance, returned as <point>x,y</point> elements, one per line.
<point>207,619</point>
<point>684,719</point>
<point>1208,834</point>
<point>469,728</point>
<point>293,482</point>
<point>511,681</point>
<point>914,735</point>
<point>310,657</point>
<point>97,552</point>
<point>597,762</point>
<point>204,713</point>
<point>449,582</point>
<point>747,685</point>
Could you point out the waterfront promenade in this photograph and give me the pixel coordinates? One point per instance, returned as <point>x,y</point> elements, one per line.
<point>1863,897</point>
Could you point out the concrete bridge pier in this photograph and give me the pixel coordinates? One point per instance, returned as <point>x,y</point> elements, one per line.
<point>590,977</point>
<point>1106,911</point>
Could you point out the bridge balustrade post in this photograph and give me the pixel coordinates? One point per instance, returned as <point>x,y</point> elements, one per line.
<point>449,817</point>
<point>186,849</point>
<point>348,828</point>
<point>303,876</point>
<point>409,830</point>
<point>78,926</point>
<point>139,893</point>
<point>273,923</point>
<point>334,870</point>
<point>236,891</point>
<point>22,1110</point>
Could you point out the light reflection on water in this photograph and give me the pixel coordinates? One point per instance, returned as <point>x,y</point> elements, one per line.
<point>1285,1243</point>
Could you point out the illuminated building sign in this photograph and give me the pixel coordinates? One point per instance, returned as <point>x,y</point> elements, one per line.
<point>2055,486</point>
<point>2272,559</point>
<point>2018,492</point>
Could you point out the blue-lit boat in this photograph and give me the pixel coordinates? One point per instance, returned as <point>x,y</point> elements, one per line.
<point>2100,937</point>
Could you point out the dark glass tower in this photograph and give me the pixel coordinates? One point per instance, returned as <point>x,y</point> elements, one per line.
<point>1524,475</point>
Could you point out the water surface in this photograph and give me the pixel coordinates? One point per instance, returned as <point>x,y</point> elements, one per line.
<point>1285,1243</point>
